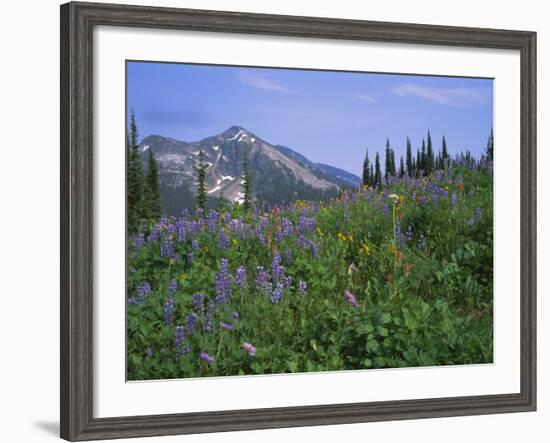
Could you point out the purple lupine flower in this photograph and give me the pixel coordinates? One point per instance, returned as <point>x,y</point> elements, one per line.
<point>206,358</point>
<point>191,322</point>
<point>288,282</point>
<point>168,310</point>
<point>261,277</point>
<point>277,271</point>
<point>249,349</point>
<point>479,212</point>
<point>399,235</point>
<point>240,277</point>
<point>386,210</point>
<point>235,315</point>
<point>200,213</point>
<point>277,294</point>
<point>180,228</point>
<point>306,243</point>
<point>287,228</point>
<point>470,222</point>
<point>223,239</point>
<point>306,224</point>
<point>259,234</point>
<point>149,352</point>
<point>179,342</point>
<point>189,259</point>
<point>167,247</point>
<point>142,291</point>
<point>226,326</point>
<point>424,201</point>
<point>198,302</point>
<point>212,220</point>
<point>288,257</point>
<point>223,283</point>
<point>302,287</point>
<point>138,240</point>
<point>173,286</point>
<point>207,320</point>
<point>264,221</point>
<point>350,298</point>
<point>195,244</point>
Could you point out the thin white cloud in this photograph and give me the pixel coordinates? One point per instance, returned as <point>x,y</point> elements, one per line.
<point>259,81</point>
<point>444,96</point>
<point>369,98</point>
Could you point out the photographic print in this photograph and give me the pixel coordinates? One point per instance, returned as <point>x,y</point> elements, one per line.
<point>288,220</point>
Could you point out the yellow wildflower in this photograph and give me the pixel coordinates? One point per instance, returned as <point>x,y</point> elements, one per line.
<point>235,242</point>
<point>319,232</point>
<point>341,236</point>
<point>365,249</point>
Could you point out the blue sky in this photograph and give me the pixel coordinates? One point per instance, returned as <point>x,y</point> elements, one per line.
<point>328,116</point>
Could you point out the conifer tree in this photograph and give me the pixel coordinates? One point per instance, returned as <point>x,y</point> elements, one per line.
<point>393,168</point>
<point>201,182</point>
<point>423,160</point>
<point>371,175</point>
<point>444,152</point>
<point>490,146</point>
<point>151,193</point>
<point>246,184</point>
<point>387,160</point>
<point>409,160</point>
<point>401,168</point>
<point>134,179</point>
<point>377,172</point>
<point>430,161</point>
<point>366,170</point>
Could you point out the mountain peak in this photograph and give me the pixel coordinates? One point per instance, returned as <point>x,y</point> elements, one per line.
<point>238,133</point>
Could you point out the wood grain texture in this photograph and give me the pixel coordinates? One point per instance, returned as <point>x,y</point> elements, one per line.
<point>76,307</point>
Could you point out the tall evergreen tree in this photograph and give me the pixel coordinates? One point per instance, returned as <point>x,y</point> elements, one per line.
<point>246,184</point>
<point>423,161</point>
<point>490,146</point>
<point>134,178</point>
<point>387,160</point>
<point>401,167</point>
<point>444,152</point>
<point>409,160</point>
<point>151,193</point>
<point>377,172</point>
<point>371,174</point>
<point>201,182</point>
<point>430,160</point>
<point>366,170</point>
<point>393,168</point>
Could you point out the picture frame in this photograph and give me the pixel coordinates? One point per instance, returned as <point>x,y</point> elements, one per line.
<point>78,21</point>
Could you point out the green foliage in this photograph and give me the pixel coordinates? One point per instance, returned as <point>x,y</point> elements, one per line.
<point>151,194</point>
<point>425,297</point>
<point>246,184</point>
<point>201,182</point>
<point>135,179</point>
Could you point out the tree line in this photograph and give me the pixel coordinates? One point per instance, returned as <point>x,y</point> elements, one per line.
<point>422,164</point>
<point>143,188</point>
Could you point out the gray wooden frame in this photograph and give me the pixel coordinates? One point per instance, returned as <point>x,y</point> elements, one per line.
<point>77,23</point>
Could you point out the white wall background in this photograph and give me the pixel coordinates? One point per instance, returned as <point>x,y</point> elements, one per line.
<point>29,219</point>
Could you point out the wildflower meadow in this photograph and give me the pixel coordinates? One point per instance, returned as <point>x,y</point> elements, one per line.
<point>399,275</point>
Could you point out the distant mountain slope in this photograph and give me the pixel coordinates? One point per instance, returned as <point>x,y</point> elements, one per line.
<point>280,175</point>
<point>344,176</point>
